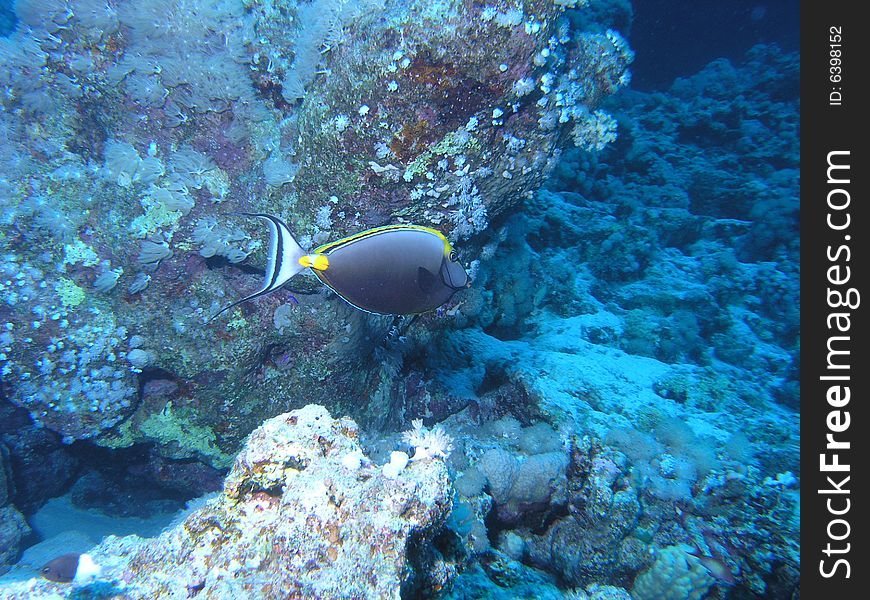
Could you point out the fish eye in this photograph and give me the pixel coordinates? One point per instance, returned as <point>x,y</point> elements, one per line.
<point>46,569</point>
<point>452,256</point>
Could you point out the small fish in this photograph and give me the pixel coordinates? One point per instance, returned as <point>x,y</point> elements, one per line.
<point>390,270</point>
<point>67,568</point>
<point>716,567</point>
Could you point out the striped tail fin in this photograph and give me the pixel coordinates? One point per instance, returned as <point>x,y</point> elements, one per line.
<point>283,259</point>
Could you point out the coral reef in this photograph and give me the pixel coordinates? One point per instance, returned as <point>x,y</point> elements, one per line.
<point>292,520</point>
<point>138,126</point>
<point>13,527</point>
<point>37,465</point>
<point>610,407</point>
<point>660,328</point>
<point>675,575</point>
<point>703,186</point>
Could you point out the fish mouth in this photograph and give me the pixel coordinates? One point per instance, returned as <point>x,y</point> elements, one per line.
<point>449,283</point>
<point>451,271</point>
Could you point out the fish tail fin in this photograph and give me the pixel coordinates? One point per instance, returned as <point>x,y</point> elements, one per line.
<point>282,262</point>
<point>284,253</point>
<point>226,308</point>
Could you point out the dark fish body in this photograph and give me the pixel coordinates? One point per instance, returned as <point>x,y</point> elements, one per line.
<point>391,270</point>
<point>397,270</point>
<point>61,569</point>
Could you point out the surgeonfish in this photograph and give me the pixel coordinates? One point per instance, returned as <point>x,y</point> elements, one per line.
<point>390,270</point>
<point>72,567</point>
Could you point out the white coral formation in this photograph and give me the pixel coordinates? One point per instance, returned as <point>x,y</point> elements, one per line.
<point>217,239</point>
<point>397,464</point>
<point>151,252</point>
<point>470,217</point>
<point>126,167</point>
<point>279,171</point>
<point>675,575</point>
<point>292,521</point>
<point>524,87</point>
<point>428,443</point>
<point>593,131</point>
<point>107,280</point>
<point>353,460</point>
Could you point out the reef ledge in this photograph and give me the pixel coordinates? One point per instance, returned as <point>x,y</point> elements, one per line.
<point>302,514</point>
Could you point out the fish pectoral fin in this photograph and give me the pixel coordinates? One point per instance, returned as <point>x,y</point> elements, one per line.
<point>426,279</point>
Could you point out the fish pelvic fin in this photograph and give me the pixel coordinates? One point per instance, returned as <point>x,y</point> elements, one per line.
<point>283,262</point>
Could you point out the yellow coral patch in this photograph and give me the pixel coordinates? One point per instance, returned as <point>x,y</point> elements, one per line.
<point>70,294</point>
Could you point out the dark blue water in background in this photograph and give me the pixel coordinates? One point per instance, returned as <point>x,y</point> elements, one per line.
<point>677,38</point>
<point>7,17</point>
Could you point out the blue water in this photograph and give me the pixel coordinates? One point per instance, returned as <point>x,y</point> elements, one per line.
<point>673,39</point>
<point>619,384</point>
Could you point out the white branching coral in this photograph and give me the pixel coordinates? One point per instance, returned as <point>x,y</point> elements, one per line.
<point>593,131</point>
<point>428,443</point>
<point>471,215</point>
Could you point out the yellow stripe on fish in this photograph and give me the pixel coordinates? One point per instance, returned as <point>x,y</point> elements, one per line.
<point>325,248</point>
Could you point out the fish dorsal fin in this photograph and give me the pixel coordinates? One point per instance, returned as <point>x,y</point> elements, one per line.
<point>426,279</point>
<point>282,260</point>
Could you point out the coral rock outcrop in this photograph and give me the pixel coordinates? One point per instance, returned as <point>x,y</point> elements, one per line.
<point>296,519</point>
